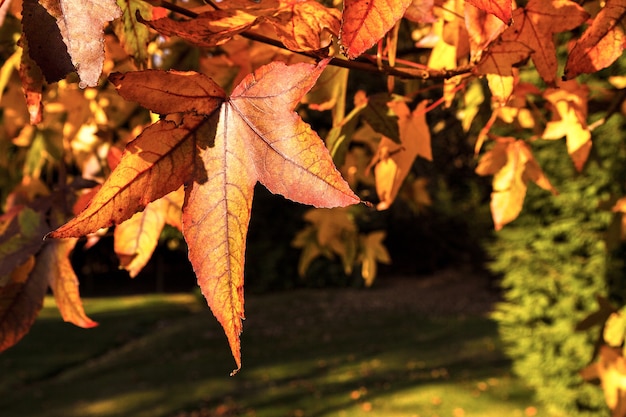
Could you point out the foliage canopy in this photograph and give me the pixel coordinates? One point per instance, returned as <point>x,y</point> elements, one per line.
<point>222,82</point>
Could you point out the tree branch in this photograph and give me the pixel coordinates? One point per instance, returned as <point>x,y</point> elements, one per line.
<point>360,64</point>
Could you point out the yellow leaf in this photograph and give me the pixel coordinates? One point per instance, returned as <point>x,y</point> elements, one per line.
<point>611,369</point>
<point>510,178</point>
<point>620,205</point>
<point>393,161</point>
<point>569,119</point>
<point>306,240</point>
<point>336,234</point>
<point>136,239</point>
<point>372,252</point>
<point>54,263</point>
<point>501,87</point>
<point>614,328</point>
<point>306,25</point>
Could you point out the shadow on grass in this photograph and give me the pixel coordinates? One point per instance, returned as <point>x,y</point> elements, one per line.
<point>305,353</point>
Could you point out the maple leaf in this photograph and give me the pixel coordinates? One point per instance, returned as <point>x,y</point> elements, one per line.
<point>133,35</point>
<point>365,22</point>
<point>393,161</point>
<point>512,164</point>
<point>59,273</point>
<point>501,57</point>
<point>482,28</point>
<point>136,239</point>
<point>502,9</point>
<point>332,232</point>
<point>81,25</point>
<point>421,11</point>
<point>219,154</point>
<point>372,252</point>
<point>338,139</point>
<point>305,25</point>
<point>534,26</point>
<point>300,25</point>
<point>452,42</point>
<point>330,93</point>
<point>601,44</point>
<point>611,370</point>
<point>569,119</point>
<point>21,298</point>
<point>32,85</point>
<point>380,116</point>
<point>208,29</point>
<point>21,233</point>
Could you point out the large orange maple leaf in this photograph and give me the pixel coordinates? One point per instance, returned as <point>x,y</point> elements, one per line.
<point>365,22</point>
<point>219,150</point>
<point>533,28</point>
<point>601,44</point>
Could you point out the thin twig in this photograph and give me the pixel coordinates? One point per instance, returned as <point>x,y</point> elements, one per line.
<point>614,107</point>
<point>362,64</point>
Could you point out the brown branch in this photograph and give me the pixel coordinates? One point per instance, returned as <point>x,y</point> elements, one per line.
<point>360,64</point>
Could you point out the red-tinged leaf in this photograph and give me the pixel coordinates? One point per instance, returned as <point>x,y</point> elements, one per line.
<point>534,25</point>
<point>255,136</point>
<point>53,262</point>
<point>502,9</point>
<point>482,29</point>
<point>259,138</point>
<point>501,57</point>
<point>21,300</point>
<point>250,6</point>
<point>215,225</point>
<point>601,44</point>
<point>21,235</point>
<point>46,46</point>
<point>136,239</point>
<point>305,25</point>
<point>421,11</point>
<point>133,35</point>
<point>365,22</point>
<point>32,86</point>
<point>182,92</point>
<point>158,162</point>
<point>208,29</point>
<point>290,158</point>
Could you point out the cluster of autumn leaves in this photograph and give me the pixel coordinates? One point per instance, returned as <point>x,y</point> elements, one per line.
<point>214,133</point>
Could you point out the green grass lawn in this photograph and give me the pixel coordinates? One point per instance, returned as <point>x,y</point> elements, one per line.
<point>304,354</point>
